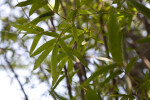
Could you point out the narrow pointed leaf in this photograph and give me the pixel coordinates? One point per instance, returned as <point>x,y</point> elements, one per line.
<point>46,45</point>
<point>36,6</point>
<point>26,28</point>
<point>56,7</point>
<point>66,49</point>
<point>42,57</point>
<point>130,64</point>
<point>52,34</point>
<point>54,64</point>
<point>99,71</point>
<point>144,10</point>
<point>25,3</point>
<point>35,42</point>
<point>111,76</point>
<point>41,18</point>
<point>114,37</point>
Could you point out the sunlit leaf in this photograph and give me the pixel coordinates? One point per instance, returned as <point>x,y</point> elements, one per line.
<point>54,64</point>
<point>42,57</point>
<point>46,45</point>
<point>25,3</point>
<point>57,3</point>
<point>35,42</point>
<point>144,10</point>
<point>66,49</point>
<point>36,5</point>
<point>42,17</point>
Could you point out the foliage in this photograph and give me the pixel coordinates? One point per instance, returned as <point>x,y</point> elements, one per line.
<point>112,30</point>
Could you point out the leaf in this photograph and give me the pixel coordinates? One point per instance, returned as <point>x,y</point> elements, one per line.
<point>111,76</point>
<point>59,80</point>
<point>36,5</point>
<point>77,4</point>
<point>114,38</point>
<point>25,3</point>
<point>74,31</point>
<point>52,34</point>
<point>67,50</point>
<point>98,72</point>
<point>144,40</point>
<point>84,12</point>
<point>26,28</point>
<point>41,17</point>
<point>91,95</point>
<point>54,64</point>
<point>61,65</point>
<point>42,57</point>
<point>56,7</point>
<point>46,45</point>
<point>144,10</point>
<point>130,64</point>
<point>35,42</point>
<point>122,95</point>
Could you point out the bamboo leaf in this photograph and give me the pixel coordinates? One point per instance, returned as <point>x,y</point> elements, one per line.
<point>114,38</point>
<point>41,17</point>
<point>144,10</point>
<point>99,71</point>
<point>52,34</point>
<point>56,7</point>
<point>54,64</point>
<point>25,3</point>
<point>46,45</point>
<point>130,64</point>
<point>26,28</point>
<point>42,57</point>
<point>67,50</point>
<point>59,80</point>
<point>111,76</point>
<point>144,40</point>
<point>35,42</point>
<point>38,4</point>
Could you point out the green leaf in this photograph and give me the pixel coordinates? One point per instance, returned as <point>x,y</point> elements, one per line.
<point>35,42</point>
<point>41,18</point>
<point>130,64</point>
<point>114,37</point>
<point>77,4</point>
<point>91,95</point>
<point>46,45</point>
<point>67,50</point>
<point>61,65</point>
<point>122,95</point>
<point>84,12</point>
<point>54,64</point>
<point>56,7</point>
<point>98,72</point>
<point>147,39</point>
<point>25,3</point>
<point>26,28</point>
<point>144,10</point>
<point>38,4</point>
<point>59,80</point>
<point>42,57</point>
<point>111,76</point>
<point>52,34</point>
<point>74,31</point>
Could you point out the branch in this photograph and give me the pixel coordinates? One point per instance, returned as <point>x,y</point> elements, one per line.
<point>16,76</point>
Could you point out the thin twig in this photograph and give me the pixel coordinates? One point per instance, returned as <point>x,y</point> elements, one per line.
<point>16,76</point>
<point>68,82</point>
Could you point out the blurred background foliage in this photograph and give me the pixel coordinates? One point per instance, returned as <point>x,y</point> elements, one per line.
<point>98,49</point>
